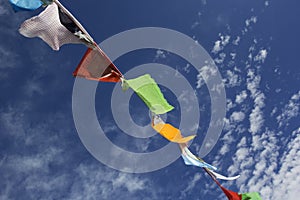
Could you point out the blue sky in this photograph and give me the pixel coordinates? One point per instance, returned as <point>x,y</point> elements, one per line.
<point>253,43</point>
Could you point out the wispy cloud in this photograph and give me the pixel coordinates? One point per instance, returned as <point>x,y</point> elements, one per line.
<point>8,58</point>
<point>94,182</point>
<point>190,186</point>
<point>256,117</point>
<point>42,165</point>
<point>3,10</point>
<point>290,110</point>
<point>205,73</point>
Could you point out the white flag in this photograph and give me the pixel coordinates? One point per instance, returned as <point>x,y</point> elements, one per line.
<point>226,178</point>
<point>191,159</point>
<point>48,27</point>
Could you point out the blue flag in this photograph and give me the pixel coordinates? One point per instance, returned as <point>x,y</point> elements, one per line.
<point>191,159</point>
<point>19,5</point>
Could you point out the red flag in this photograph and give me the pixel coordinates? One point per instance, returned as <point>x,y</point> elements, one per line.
<point>231,195</point>
<point>95,65</point>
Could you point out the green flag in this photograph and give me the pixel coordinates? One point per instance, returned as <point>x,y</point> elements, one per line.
<point>149,92</point>
<point>251,196</point>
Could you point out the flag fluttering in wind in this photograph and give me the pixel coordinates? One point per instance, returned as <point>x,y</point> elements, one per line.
<point>95,65</point>
<point>56,26</point>
<point>148,90</point>
<point>168,131</point>
<point>191,159</point>
<point>251,196</point>
<point>222,177</point>
<point>48,27</point>
<point>231,195</point>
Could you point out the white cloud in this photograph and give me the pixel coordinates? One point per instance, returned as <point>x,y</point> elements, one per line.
<point>277,177</point>
<point>232,79</point>
<point>32,165</point>
<point>287,180</point>
<point>262,160</point>
<point>8,58</point>
<point>220,44</point>
<point>237,116</point>
<point>221,58</point>
<point>237,40</point>
<point>205,73</point>
<point>190,186</point>
<point>224,149</point>
<point>230,104</point>
<point>233,55</point>
<point>95,182</point>
<point>3,10</point>
<point>267,3</point>
<point>290,110</point>
<point>261,56</point>
<point>256,120</point>
<point>217,47</point>
<point>253,20</point>
<point>160,55</point>
<point>241,97</point>
<point>130,182</point>
<point>187,68</point>
<point>195,24</point>
<point>256,117</point>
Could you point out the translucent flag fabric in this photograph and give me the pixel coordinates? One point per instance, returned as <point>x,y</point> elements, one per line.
<point>19,5</point>
<point>48,27</point>
<point>169,132</point>
<point>148,90</point>
<point>191,159</point>
<point>95,65</point>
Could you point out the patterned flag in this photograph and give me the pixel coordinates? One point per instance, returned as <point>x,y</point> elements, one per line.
<point>48,27</point>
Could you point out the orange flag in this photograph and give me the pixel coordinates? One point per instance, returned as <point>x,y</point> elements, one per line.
<point>168,131</point>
